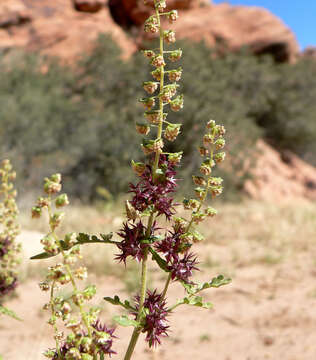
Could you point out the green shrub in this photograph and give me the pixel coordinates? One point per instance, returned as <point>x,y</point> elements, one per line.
<point>80,120</point>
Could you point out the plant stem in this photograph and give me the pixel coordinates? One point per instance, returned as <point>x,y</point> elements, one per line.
<point>137,330</point>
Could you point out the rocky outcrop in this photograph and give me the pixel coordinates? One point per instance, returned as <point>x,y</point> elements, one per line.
<point>13,13</point>
<point>134,12</point>
<point>90,6</point>
<point>57,29</point>
<point>309,53</point>
<point>281,177</point>
<point>231,26</point>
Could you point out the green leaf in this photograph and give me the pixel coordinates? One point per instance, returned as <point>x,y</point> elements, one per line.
<point>124,320</point>
<point>116,301</point>
<point>8,312</point>
<point>159,260</point>
<point>216,282</point>
<point>197,301</point>
<point>81,239</point>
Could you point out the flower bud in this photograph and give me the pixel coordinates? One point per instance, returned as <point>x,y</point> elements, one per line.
<point>153,116</point>
<point>86,357</point>
<point>207,139</point>
<point>211,212</point>
<point>150,86</point>
<point>66,308</point>
<point>198,217</point>
<point>175,55</point>
<point>177,103</point>
<point>175,158</point>
<point>89,292</point>
<point>219,143</point>
<point>161,5</point>
<point>175,75</point>
<point>194,204</point>
<point>158,61</point>
<point>81,273</point>
<point>215,181</point>
<point>44,286</point>
<point>220,130</point>
<point>36,212</point>
<point>173,16</point>
<point>56,219</point>
<point>142,129</point>
<point>61,200</point>
<point>215,191</point>
<point>196,236</point>
<point>42,202</point>
<point>211,124</point>
<point>51,187</point>
<point>180,224</point>
<point>199,180</point>
<point>73,354</point>
<point>138,168</point>
<point>148,53</point>
<point>131,212</point>
<point>203,151</point>
<point>70,239</point>
<point>200,192</point>
<point>156,74</point>
<point>148,103</point>
<point>169,36</point>
<point>172,131</point>
<point>56,178</point>
<point>219,157</point>
<point>205,169</point>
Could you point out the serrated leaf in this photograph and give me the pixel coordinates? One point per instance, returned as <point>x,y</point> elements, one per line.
<point>124,320</point>
<point>8,312</point>
<point>81,239</point>
<point>159,260</point>
<point>195,301</point>
<point>116,301</point>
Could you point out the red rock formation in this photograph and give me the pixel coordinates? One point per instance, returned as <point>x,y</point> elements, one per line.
<point>235,26</point>
<point>13,13</point>
<point>90,6</point>
<point>239,26</point>
<point>134,12</point>
<point>57,29</point>
<point>279,177</point>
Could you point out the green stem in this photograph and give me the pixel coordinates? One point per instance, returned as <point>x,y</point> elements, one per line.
<point>137,331</point>
<point>53,312</point>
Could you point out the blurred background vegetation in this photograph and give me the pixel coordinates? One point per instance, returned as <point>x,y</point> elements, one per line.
<point>79,120</point>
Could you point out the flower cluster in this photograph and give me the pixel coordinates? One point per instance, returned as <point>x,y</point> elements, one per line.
<point>154,322</point>
<point>152,189</point>
<point>9,249</point>
<point>87,338</point>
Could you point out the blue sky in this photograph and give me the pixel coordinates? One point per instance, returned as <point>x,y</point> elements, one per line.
<point>299,15</point>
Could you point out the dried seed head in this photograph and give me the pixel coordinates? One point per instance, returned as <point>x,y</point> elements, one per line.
<point>172,131</point>
<point>142,129</point>
<point>150,86</point>
<point>203,151</point>
<point>219,157</point>
<point>169,36</point>
<point>211,212</point>
<point>175,55</point>
<point>138,167</point>
<point>153,116</point>
<point>158,61</point>
<point>199,180</point>
<point>175,75</point>
<point>148,103</point>
<point>156,74</point>
<point>175,158</point>
<point>173,16</point>
<point>177,103</point>
<point>148,53</point>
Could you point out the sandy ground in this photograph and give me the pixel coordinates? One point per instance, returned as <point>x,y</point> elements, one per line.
<point>267,312</point>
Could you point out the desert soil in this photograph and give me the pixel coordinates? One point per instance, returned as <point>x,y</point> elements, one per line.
<point>267,312</point>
